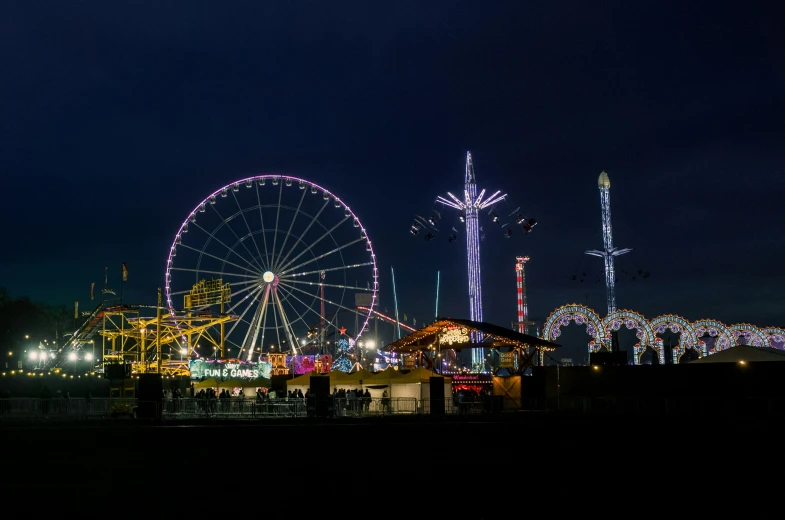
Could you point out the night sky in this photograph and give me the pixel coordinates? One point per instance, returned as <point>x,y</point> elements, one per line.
<point>118,120</point>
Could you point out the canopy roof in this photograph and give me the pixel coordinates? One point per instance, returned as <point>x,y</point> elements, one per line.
<point>262,382</point>
<point>493,337</point>
<point>745,353</point>
<point>210,382</point>
<point>385,377</point>
<point>419,375</point>
<point>234,383</point>
<point>356,377</point>
<point>305,379</point>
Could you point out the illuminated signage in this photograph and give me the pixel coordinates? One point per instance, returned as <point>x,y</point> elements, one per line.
<point>506,359</point>
<point>471,378</point>
<point>452,335</point>
<point>222,370</point>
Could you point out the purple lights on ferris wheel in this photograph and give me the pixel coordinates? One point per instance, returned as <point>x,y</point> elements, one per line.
<point>285,257</point>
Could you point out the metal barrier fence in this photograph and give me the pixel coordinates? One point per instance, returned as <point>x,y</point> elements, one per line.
<point>64,408</point>
<point>233,408</point>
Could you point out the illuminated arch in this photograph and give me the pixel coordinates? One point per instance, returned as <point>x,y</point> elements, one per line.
<point>641,349</point>
<point>715,329</point>
<point>754,336</point>
<point>775,335</point>
<point>581,315</point>
<point>678,325</point>
<point>631,320</point>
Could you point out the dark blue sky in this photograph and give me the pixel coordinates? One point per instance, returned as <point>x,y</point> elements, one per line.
<point>118,120</point>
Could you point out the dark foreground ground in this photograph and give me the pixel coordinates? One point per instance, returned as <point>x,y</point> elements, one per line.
<point>510,456</point>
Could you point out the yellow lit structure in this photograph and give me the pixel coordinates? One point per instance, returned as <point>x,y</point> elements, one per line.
<point>166,342</point>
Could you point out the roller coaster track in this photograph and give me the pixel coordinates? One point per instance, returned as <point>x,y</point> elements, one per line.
<point>388,319</point>
<point>87,330</point>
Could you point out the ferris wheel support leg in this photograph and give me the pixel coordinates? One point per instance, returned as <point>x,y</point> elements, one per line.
<point>255,324</point>
<point>286,324</point>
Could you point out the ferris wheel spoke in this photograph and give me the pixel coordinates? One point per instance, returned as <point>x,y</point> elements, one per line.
<point>250,233</point>
<point>323,255</point>
<point>264,329</point>
<point>220,273</point>
<point>253,329</point>
<point>327,270</point>
<point>285,300</point>
<point>244,282</point>
<point>328,322</point>
<point>340,306</point>
<point>277,219</point>
<point>250,290</point>
<point>261,220</point>
<point>241,317</point>
<point>225,222</point>
<point>291,225</point>
<point>318,284</point>
<point>290,294</point>
<point>228,247</point>
<point>285,268</point>
<point>286,324</point>
<point>303,234</point>
<point>245,289</point>
<point>220,259</point>
<point>277,328</point>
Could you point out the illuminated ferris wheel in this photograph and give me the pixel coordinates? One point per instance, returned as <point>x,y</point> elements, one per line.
<point>292,260</point>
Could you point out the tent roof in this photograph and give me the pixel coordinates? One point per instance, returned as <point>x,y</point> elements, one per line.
<point>305,379</point>
<point>234,382</point>
<point>419,375</point>
<point>360,375</point>
<point>210,382</point>
<point>494,337</point>
<point>258,382</point>
<point>743,353</point>
<point>385,377</point>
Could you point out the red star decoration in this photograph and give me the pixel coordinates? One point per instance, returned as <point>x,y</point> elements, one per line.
<point>343,330</point>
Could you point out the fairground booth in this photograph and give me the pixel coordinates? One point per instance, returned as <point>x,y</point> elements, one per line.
<point>508,353</point>
<point>396,383</point>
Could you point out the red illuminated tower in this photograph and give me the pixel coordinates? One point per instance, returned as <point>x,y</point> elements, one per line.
<point>523,304</point>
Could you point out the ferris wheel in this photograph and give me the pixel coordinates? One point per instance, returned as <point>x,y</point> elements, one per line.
<point>294,264</point>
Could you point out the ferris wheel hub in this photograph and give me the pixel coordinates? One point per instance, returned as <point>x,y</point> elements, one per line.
<point>268,276</point>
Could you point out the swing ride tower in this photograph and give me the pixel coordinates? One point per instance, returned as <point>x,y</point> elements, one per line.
<point>609,252</point>
<point>470,207</point>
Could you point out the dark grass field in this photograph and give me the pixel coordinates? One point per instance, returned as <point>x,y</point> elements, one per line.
<point>559,451</point>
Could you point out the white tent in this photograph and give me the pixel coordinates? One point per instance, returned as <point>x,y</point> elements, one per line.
<point>417,384</point>
<point>381,381</point>
<point>303,381</point>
